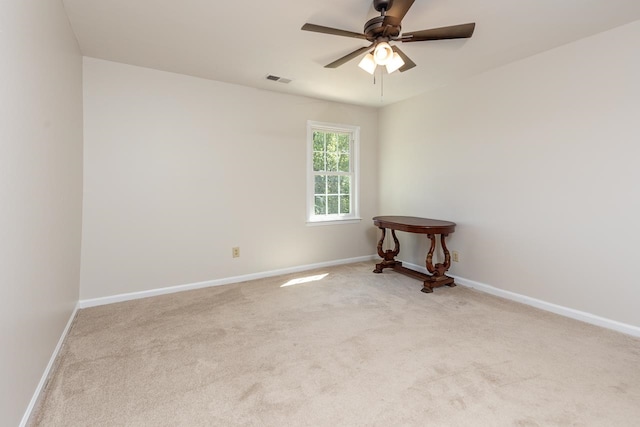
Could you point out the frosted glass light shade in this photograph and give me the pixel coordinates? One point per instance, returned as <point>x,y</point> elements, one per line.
<point>383,53</point>
<point>395,63</point>
<point>368,64</point>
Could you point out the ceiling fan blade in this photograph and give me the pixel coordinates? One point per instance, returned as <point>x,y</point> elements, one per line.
<point>462,31</point>
<point>348,57</point>
<point>408,63</point>
<point>333,31</point>
<point>399,8</point>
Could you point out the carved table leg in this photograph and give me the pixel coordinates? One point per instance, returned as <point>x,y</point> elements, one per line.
<point>389,255</point>
<point>438,277</point>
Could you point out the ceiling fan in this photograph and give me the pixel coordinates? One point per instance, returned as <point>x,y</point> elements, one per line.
<point>386,28</point>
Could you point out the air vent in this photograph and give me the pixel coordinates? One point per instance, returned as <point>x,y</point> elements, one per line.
<point>278,79</point>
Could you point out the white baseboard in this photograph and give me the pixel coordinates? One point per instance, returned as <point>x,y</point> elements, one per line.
<point>47,371</point>
<point>93,302</point>
<point>543,305</point>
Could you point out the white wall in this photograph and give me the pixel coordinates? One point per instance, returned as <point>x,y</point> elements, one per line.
<point>537,162</point>
<point>40,192</point>
<point>178,170</point>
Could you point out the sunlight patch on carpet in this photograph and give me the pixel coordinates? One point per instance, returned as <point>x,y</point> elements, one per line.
<point>306,279</point>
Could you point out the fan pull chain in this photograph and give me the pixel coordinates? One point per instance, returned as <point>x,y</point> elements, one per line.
<point>381,82</point>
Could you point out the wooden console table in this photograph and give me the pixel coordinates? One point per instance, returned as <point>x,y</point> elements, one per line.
<point>411,224</point>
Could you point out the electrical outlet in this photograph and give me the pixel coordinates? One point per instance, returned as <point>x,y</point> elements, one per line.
<point>235,252</point>
<point>456,256</point>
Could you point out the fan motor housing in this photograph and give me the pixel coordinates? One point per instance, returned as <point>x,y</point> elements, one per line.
<point>382,26</point>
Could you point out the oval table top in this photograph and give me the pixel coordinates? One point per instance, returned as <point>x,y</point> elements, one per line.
<point>413,224</point>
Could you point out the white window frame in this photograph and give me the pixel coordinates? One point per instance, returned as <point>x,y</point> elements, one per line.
<point>354,163</point>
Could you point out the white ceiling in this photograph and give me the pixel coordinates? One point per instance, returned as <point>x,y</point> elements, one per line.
<point>242,42</point>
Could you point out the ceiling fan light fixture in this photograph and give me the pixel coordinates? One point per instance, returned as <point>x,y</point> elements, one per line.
<point>368,64</point>
<point>383,53</point>
<point>380,30</point>
<point>395,63</point>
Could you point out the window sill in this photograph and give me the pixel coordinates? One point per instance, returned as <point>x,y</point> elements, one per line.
<point>334,221</point>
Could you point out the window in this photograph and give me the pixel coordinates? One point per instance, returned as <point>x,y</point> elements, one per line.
<point>332,164</point>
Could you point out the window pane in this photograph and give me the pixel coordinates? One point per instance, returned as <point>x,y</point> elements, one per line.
<point>320,205</point>
<point>344,205</point>
<point>318,161</point>
<point>345,185</point>
<point>332,162</point>
<point>318,141</point>
<point>332,205</point>
<point>332,142</point>
<point>343,143</point>
<point>343,163</point>
<point>320,187</point>
<point>332,187</point>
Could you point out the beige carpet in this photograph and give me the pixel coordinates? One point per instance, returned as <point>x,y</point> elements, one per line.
<point>352,349</point>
